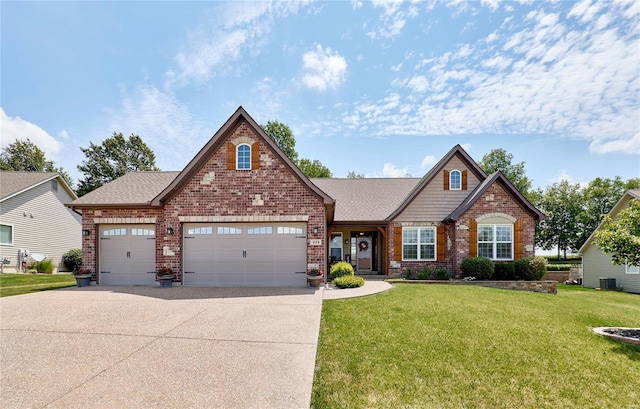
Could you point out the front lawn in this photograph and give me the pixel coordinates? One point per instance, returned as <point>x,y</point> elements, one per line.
<point>441,346</point>
<point>14,284</point>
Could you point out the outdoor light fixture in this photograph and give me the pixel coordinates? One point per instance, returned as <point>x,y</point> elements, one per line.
<point>86,232</point>
<point>169,230</point>
<point>315,230</point>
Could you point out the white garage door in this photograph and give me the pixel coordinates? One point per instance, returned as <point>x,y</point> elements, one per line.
<point>251,254</point>
<point>127,255</point>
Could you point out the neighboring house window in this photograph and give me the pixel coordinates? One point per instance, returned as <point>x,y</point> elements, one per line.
<point>54,185</point>
<point>629,269</point>
<point>243,157</point>
<point>6,235</point>
<point>455,182</point>
<point>335,247</point>
<point>419,243</point>
<point>495,241</point>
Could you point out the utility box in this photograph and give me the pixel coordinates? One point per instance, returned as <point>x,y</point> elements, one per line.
<point>607,283</point>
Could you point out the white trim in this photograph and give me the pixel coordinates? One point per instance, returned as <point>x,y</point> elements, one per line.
<point>238,156</point>
<point>13,233</point>
<point>418,244</point>
<point>451,180</point>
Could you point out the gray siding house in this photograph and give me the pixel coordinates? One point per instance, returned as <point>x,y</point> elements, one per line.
<point>596,264</point>
<point>33,217</point>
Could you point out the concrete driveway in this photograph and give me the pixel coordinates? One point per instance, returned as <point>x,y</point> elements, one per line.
<point>146,347</point>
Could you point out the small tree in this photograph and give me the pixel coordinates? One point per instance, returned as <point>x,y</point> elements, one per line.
<point>26,156</point>
<point>621,238</point>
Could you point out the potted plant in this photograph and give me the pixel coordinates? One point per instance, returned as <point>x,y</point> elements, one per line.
<point>83,277</point>
<point>314,277</point>
<point>165,277</point>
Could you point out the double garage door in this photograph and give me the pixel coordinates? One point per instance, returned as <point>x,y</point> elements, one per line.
<point>233,254</point>
<point>251,254</point>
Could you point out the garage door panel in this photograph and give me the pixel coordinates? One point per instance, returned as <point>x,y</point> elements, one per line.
<point>127,255</point>
<point>263,254</point>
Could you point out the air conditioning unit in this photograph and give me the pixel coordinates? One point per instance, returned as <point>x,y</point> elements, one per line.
<point>607,283</point>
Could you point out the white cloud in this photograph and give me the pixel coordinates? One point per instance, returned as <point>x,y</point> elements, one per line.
<point>389,170</point>
<point>393,18</point>
<point>323,69</point>
<point>627,145</point>
<point>15,128</point>
<point>428,161</point>
<point>396,68</point>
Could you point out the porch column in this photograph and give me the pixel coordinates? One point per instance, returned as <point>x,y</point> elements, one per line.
<point>383,231</point>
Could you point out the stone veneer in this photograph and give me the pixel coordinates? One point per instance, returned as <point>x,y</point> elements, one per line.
<point>547,287</point>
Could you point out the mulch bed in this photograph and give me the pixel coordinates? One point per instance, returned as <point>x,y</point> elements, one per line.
<point>623,332</point>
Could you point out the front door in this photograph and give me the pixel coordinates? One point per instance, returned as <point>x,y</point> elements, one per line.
<point>364,253</point>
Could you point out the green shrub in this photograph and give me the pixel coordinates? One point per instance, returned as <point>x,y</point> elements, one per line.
<point>559,267</point>
<point>408,274</point>
<point>72,259</point>
<point>424,273</point>
<point>341,269</point>
<point>531,268</point>
<point>45,266</point>
<point>479,267</point>
<point>504,271</point>
<point>348,281</point>
<point>442,274</point>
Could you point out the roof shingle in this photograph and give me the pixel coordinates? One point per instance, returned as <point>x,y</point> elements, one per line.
<point>12,182</point>
<point>135,188</point>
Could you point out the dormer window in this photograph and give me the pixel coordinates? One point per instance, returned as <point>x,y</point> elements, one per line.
<point>243,157</point>
<point>455,182</point>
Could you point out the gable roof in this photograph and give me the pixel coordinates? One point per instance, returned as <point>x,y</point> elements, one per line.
<point>366,199</point>
<point>482,188</point>
<point>626,197</point>
<point>214,144</point>
<point>132,189</point>
<point>13,183</point>
<point>456,150</point>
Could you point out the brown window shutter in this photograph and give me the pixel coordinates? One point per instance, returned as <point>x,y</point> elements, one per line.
<point>255,155</point>
<point>445,175</point>
<point>231,156</point>
<point>473,238</point>
<point>518,229</point>
<point>441,243</point>
<point>464,180</point>
<point>397,243</point>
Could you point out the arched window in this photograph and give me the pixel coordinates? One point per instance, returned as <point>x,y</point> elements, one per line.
<point>455,180</point>
<point>243,157</point>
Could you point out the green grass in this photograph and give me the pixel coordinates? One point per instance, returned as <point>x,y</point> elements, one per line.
<point>14,284</point>
<point>441,346</point>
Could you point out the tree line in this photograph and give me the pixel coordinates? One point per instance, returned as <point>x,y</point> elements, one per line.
<point>573,211</point>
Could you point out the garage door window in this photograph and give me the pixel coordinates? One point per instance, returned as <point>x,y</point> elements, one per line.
<point>289,230</point>
<point>229,230</point>
<point>200,230</point>
<point>115,232</point>
<point>143,232</point>
<point>260,230</point>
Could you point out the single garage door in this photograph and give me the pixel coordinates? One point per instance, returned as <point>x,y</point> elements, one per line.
<point>127,255</point>
<point>251,254</point>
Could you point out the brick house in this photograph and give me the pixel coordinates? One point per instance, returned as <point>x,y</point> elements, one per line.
<point>241,213</point>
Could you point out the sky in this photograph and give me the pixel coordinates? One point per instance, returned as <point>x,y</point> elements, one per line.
<point>382,88</point>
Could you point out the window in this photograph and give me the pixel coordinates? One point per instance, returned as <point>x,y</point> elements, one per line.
<point>243,157</point>
<point>54,185</point>
<point>200,230</point>
<point>289,230</point>
<point>6,235</point>
<point>495,241</point>
<point>418,243</point>
<point>260,230</point>
<point>335,247</point>
<point>629,269</point>
<point>115,232</point>
<point>229,230</point>
<point>143,232</point>
<point>455,180</point>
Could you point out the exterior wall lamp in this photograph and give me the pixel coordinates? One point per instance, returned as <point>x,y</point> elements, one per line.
<point>315,230</point>
<point>86,232</point>
<point>169,230</point>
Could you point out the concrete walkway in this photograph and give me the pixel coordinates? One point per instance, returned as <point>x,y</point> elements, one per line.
<point>146,347</point>
<point>372,285</point>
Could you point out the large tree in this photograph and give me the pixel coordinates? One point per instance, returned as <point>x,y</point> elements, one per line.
<point>599,197</point>
<point>113,158</point>
<point>314,168</point>
<point>26,156</point>
<point>562,203</point>
<point>500,160</point>
<point>621,238</point>
<point>283,137</point>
